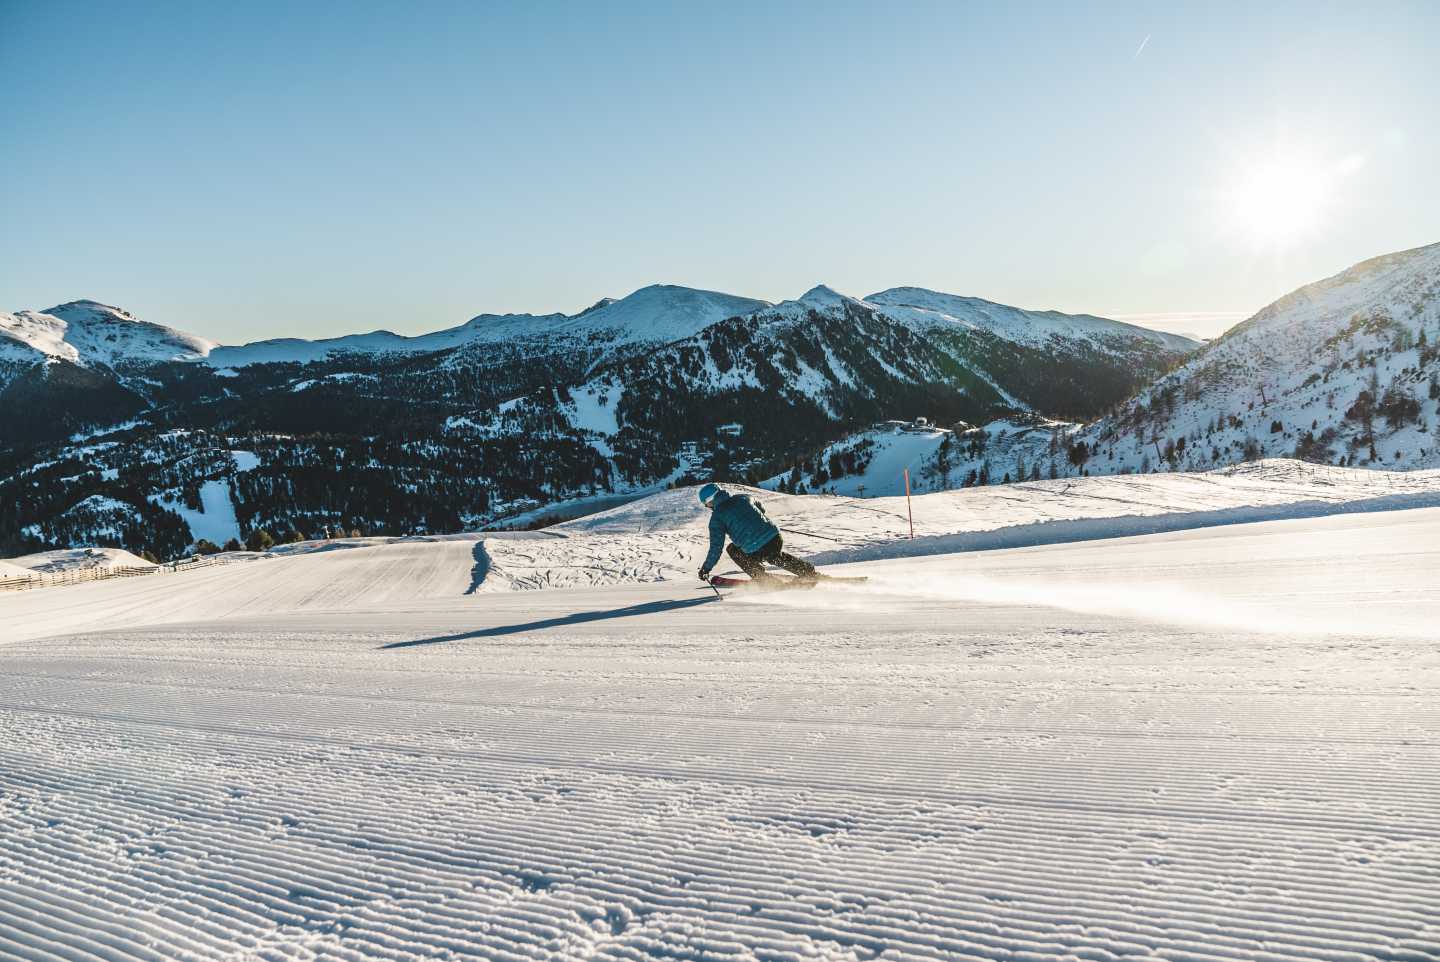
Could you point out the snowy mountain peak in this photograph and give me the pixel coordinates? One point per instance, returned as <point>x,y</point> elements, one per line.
<point>662,312</point>
<point>686,300</point>
<point>823,296</point>
<point>820,298</point>
<point>85,309</point>
<point>88,332</point>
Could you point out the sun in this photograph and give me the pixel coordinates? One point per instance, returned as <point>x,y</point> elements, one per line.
<point>1274,202</point>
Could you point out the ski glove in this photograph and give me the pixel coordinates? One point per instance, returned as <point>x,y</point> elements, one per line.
<point>705,574</point>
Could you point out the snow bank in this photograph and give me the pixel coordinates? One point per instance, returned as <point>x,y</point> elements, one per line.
<point>856,521</point>
<point>74,559</point>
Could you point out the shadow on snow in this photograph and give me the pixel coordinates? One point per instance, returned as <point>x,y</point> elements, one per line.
<point>577,618</point>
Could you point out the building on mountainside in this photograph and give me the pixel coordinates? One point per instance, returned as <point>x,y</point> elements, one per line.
<point>919,425</point>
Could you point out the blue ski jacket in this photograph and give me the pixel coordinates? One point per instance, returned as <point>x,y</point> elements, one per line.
<point>743,519</point>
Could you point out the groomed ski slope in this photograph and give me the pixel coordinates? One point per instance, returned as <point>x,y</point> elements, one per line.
<point>1211,744</point>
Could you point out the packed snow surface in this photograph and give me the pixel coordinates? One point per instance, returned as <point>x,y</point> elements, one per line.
<point>1209,744</point>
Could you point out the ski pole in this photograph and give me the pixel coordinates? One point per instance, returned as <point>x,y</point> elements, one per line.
<point>809,534</point>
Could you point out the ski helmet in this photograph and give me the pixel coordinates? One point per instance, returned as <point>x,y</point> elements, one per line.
<point>707,493</point>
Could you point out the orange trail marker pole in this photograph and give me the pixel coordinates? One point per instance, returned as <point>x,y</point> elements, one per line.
<point>908,511</point>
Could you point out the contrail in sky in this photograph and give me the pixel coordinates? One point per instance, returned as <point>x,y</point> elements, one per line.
<point>1142,46</point>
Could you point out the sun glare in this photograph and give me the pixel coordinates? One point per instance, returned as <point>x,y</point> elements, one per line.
<point>1276,201</point>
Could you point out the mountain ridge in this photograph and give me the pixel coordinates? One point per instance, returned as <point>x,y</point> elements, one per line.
<point>615,320</point>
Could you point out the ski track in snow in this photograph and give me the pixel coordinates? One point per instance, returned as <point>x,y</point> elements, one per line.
<point>976,757</point>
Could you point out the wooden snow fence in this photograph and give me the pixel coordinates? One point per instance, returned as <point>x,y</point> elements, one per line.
<point>77,576</point>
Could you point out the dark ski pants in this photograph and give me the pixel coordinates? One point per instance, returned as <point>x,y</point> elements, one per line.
<point>772,553</point>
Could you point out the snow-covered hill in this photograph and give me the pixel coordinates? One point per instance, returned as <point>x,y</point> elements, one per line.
<point>78,559</point>
<point>1345,370</point>
<point>88,334</point>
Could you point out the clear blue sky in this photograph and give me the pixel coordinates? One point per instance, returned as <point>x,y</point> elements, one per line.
<point>260,169</point>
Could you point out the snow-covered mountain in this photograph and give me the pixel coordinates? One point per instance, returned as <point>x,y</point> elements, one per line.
<point>81,365</point>
<point>802,367</point>
<point>931,310</point>
<point>85,365</point>
<point>654,314</point>
<point>1344,371</point>
<point>91,334</point>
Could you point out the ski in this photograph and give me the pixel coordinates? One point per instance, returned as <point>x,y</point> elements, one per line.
<point>772,583</point>
<point>781,582</point>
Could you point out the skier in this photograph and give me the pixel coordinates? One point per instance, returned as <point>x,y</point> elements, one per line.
<point>753,536</point>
